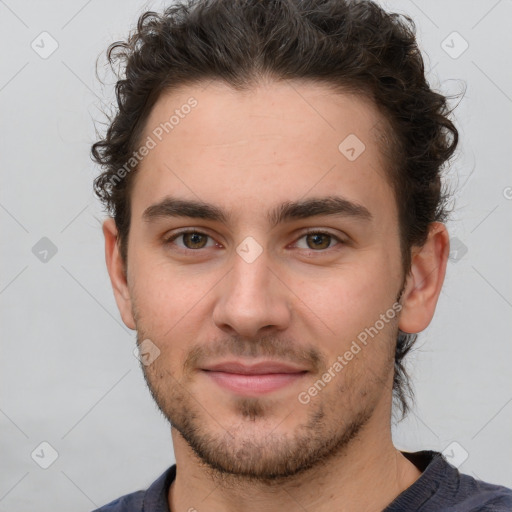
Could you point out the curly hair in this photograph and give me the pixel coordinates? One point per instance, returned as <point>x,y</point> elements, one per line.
<point>349,45</point>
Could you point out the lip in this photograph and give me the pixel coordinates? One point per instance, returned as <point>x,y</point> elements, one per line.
<point>261,368</point>
<point>256,379</point>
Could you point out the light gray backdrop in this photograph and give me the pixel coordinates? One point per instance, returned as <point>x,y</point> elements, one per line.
<point>69,378</point>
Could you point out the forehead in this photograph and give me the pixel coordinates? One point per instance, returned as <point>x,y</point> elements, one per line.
<point>275,142</point>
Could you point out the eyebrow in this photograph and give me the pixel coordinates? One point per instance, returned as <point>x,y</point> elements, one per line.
<point>285,212</point>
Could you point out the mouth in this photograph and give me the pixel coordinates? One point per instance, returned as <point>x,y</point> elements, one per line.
<point>256,379</point>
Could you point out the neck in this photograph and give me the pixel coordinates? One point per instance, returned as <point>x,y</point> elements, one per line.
<point>366,475</point>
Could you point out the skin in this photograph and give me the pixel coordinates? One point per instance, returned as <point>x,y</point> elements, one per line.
<point>200,302</point>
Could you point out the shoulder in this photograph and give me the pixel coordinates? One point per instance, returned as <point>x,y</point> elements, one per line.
<point>480,496</point>
<point>128,503</point>
<point>468,494</point>
<point>442,488</point>
<point>152,499</point>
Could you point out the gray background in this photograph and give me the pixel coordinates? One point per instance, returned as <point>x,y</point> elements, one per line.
<point>68,374</point>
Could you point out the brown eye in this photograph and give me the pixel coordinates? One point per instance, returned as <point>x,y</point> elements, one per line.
<point>318,240</point>
<point>191,240</point>
<point>194,240</point>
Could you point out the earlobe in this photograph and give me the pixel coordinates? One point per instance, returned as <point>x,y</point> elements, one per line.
<point>425,280</point>
<point>117,272</point>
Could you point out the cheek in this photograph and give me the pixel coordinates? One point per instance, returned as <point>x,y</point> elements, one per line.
<point>357,292</point>
<point>349,301</point>
<point>170,303</point>
<point>160,297</point>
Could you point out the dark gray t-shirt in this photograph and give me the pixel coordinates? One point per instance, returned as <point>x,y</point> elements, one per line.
<point>440,488</point>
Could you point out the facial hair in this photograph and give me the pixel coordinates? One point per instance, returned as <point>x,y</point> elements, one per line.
<point>253,449</point>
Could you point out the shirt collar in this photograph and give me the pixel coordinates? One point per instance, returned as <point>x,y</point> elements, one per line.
<point>155,498</point>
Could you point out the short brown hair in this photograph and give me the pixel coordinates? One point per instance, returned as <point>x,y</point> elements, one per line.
<point>347,44</point>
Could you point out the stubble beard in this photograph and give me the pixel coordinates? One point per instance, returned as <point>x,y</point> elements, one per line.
<point>254,449</point>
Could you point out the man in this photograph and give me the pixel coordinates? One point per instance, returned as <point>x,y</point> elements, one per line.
<point>276,239</point>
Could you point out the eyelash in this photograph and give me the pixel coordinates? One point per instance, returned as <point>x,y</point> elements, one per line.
<point>174,236</point>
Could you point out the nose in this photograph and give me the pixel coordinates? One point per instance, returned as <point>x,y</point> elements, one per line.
<point>252,300</point>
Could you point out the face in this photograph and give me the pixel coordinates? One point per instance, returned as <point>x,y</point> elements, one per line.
<point>264,265</point>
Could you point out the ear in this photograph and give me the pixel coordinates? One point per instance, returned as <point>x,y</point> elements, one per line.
<point>425,280</point>
<point>117,272</point>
